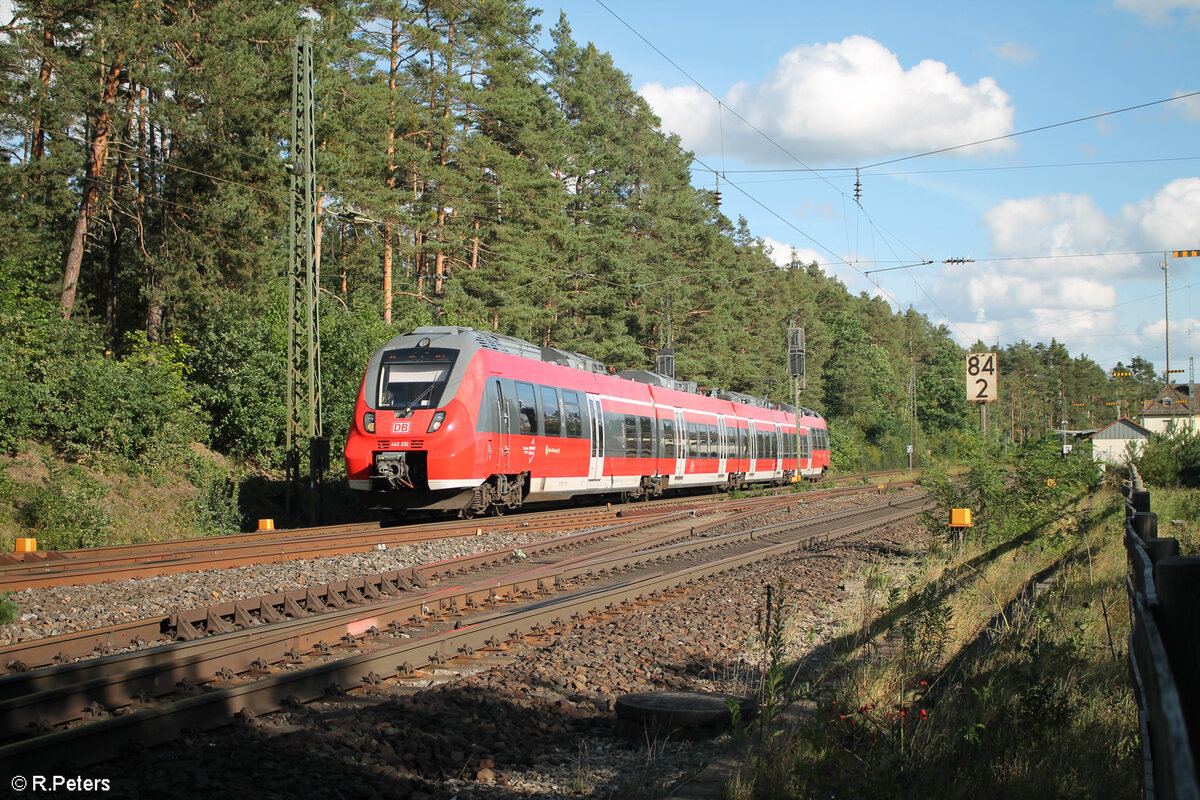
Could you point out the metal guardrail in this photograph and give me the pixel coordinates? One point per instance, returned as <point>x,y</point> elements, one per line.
<point>1164,649</point>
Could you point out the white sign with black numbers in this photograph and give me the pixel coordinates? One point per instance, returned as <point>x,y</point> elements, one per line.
<point>983,378</point>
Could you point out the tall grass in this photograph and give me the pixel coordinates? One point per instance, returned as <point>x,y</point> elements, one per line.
<point>994,671</point>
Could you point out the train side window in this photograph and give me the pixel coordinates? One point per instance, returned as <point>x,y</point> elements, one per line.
<point>574,418</point>
<point>693,440</point>
<point>711,434</point>
<point>614,443</point>
<point>528,404</point>
<point>551,412</point>
<point>631,436</point>
<point>647,438</point>
<point>668,438</point>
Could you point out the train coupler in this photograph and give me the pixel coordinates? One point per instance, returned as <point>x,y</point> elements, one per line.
<point>393,467</point>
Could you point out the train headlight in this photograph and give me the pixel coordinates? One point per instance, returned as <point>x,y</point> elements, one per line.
<point>436,423</point>
<point>369,422</point>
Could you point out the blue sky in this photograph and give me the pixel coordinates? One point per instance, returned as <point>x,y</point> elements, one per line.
<point>1067,225</point>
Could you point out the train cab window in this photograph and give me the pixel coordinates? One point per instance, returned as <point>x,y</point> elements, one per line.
<point>667,426</point>
<point>574,418</point>
<point>410,381</point>
<point>646,443</point>
<point>551,412</point>
<point>528,404</point>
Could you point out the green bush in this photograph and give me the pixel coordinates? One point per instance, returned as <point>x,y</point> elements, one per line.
<point>60,386</point>
<point>66,511</point>
<point>214,508</point>
<point>1171,460</point>
<point>238,370</point>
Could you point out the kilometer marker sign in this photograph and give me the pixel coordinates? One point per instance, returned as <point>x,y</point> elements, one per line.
<point>983,379</point>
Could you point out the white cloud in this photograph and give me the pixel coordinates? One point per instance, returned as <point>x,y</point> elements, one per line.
<point>1191,106</point>
<point>1158,11</point>
<point>1071,228</point>
<point>842,101</point>
<point>1056,226</point>
<point>780,253</point>
<point>993,294</point>
<point>1170,220</point>
<point>1069,292</point>
<point>1015,52</point>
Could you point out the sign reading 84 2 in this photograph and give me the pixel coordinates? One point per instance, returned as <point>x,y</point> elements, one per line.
<point>983,378</point>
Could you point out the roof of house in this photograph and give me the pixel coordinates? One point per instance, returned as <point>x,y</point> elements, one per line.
<point>1124,428</point>
<point>1173,400</point>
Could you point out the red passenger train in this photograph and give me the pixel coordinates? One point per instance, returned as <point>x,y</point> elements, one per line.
<point>455,418</point>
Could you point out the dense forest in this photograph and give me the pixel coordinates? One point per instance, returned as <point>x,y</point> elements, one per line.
<point>472,170</point>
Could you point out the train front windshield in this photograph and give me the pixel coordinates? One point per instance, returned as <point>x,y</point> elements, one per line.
<point>414,379</point>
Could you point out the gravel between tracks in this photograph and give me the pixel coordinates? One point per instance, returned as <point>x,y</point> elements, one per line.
<point>49,612</point>
<point>538,725</point>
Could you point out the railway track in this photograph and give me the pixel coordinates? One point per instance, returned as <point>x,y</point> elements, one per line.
<point>20,571</point>
<point>152,694</point>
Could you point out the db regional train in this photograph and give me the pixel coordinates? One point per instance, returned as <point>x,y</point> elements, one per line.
<point>455,418</point>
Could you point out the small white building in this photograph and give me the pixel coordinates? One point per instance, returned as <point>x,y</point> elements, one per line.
<point>1111,444</point>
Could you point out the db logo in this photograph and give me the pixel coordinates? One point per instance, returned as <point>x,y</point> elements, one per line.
<point>400,427</point>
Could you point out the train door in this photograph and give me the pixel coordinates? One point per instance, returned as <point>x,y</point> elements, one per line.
<point>681,444</point>
<point>753,454</point>
<point>777,439</point>
<point>596,431</point>
<point>503,428</point>
<point>722,446</point>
